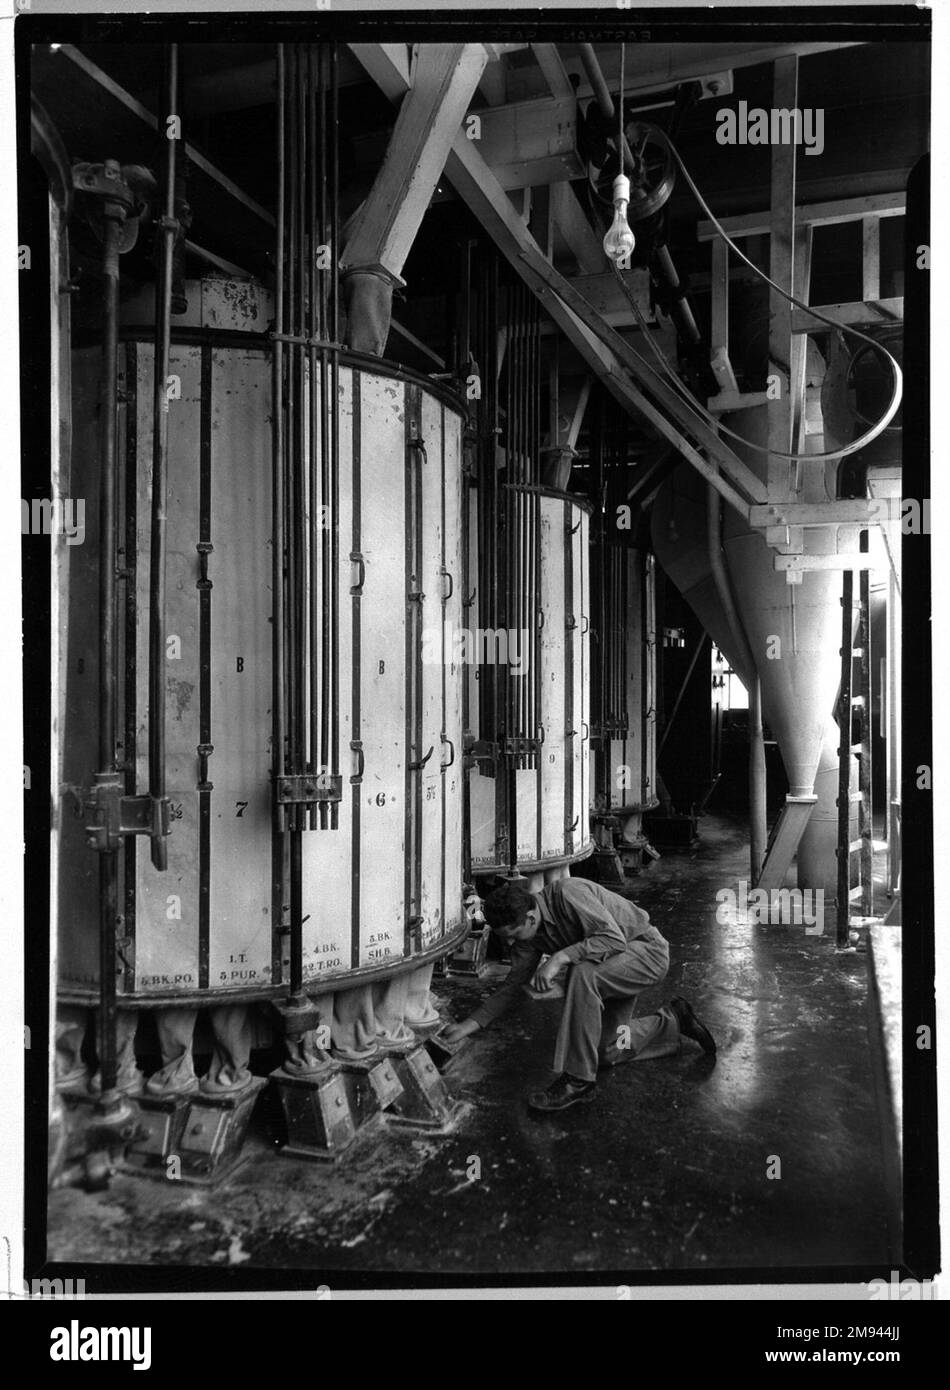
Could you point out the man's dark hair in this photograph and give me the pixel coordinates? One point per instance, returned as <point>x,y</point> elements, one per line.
<point>508,905</point>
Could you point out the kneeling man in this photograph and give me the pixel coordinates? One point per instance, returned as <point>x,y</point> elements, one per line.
<point>612,953</point>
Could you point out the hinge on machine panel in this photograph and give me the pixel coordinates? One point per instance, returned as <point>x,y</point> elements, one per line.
<point>480,753</point>
<point>111,814</point>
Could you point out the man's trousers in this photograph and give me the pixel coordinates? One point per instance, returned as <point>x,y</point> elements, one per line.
<point>598,1024</point>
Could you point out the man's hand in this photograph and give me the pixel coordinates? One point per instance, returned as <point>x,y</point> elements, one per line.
<point>457,1031</point>
<point>545,974</point>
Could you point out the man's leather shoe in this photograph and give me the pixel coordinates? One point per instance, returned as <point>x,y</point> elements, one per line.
<point>690,1025</point>
<point>565,1091</point>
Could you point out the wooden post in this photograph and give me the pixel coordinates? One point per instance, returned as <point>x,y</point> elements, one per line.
<point>444,79</point>
<point>782,271</point>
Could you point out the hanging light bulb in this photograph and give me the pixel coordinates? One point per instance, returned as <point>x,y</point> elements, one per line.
<point>620,241</point>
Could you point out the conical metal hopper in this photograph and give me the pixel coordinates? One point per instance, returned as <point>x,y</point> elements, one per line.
<point>793,630</point>
<point>678,536</point>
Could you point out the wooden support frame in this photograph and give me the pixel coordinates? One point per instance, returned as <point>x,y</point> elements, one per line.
<point>784,841</point>
<point>576,231</point>
<point>194,155</point>
<point>849,511</point>
<point>798,346</point>
<point>605,351</point>
<point>810,215</point>
<point>719,321</point>
<point>797,564</point>
<point>555,74</point>
<point>531,142</point>
<point>577,419</point>
<point>782,272</point>
<point>870,258</point>
<point>856,314</point>
<point>605,294</point>
<point>444,79</point>
<point>723,57</point>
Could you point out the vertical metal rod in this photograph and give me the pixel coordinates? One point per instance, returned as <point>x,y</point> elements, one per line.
<point>493,520</point>
<point>277,474</point>
<point>325,488</point>
<point>528,500</point>
<point>518,409</point>
<point>302,539</point>
<point>296,913</point>
<point>524,403</point>
<point>108,860</point>
<point>866,770</point>
<point>334,429</point>
<point>156,626</point>
<point>535,441</point>
<point>843,913</point>
<point>317,514</point>
<point>619,644</point>
<point>892,702</point>
<point>278,611</point>
<point>757,782</point>
<point>511,542</point>
<point>296,521</point>
<point>538,596</point>
<point>626,567</point>
<point>291,303</point>
<point>107,500</point>
<point>612,608</point>
<point>611,637</point>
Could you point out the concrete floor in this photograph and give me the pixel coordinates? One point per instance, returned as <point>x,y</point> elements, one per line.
<point>667,1169</point>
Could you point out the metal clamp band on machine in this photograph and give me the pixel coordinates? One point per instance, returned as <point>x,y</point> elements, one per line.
<point>517,747</point>
<point>304,341</point>
<point>308,788</point>
<point>201,999</point>
<point>111,815</point>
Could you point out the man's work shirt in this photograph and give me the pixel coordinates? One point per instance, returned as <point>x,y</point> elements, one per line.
<point>578,918</point>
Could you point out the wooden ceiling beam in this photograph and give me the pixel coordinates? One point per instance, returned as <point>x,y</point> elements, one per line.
<point>444,79</point>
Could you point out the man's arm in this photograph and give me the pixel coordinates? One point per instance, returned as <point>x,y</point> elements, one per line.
<point>524,960</point>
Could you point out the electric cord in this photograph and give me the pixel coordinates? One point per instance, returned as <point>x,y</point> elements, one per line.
<point>697,406</point>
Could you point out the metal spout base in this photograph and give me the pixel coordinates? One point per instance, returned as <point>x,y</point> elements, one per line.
<point>371,1087</point>
<point>318,1114</point>
<point>425,1103</point>
<point>193,1138</point>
